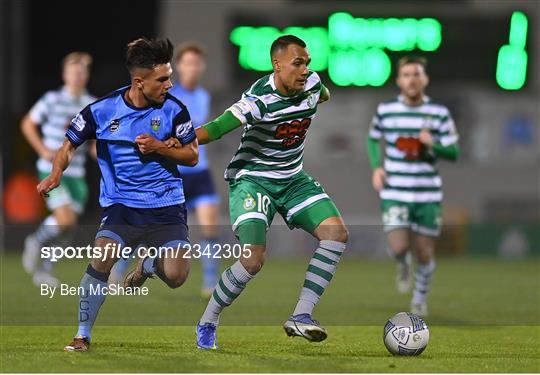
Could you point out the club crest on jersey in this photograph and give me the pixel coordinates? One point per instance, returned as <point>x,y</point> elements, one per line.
<point>311,101</point>
<point>156,123</point>
<point>249,203</point>
<point>114,125</point>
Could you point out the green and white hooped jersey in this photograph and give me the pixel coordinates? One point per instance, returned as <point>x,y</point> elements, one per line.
<point>414,181</point>
<point>54,112</point>
<point>275,128</point>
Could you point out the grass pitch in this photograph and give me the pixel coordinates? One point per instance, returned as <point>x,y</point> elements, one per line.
<point>484,317</point>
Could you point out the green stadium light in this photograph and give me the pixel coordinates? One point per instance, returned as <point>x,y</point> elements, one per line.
<point>518,29</point>
<point>511,67</point>
<point>352,49</point>
<point>511,72</point>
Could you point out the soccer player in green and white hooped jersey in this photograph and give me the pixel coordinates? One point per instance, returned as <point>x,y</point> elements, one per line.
<point>266,177</point>
<point>53,113</point>
<point>416,132</point>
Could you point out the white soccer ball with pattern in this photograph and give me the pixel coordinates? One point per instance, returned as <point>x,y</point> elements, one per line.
<point>406,334</point>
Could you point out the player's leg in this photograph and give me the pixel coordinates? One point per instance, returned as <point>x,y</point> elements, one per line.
<point>233,280</point>
<point>120,268</point>
<point>427,226</point>
<point>53,230</point>
<point>207,216</point>
<point>164,233</point>
<point>310,208</point>
<point>251,211</point>
<point>202,198</point>
<point>92,297</point>
<point>396,222</point>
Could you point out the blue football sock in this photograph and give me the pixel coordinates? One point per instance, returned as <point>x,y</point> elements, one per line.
<point>121,266</point>
<point>93,283</point>
<point>210,266</point>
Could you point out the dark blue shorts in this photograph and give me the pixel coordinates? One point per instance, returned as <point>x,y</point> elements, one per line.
<point>199,189</point>
<point>156,227</point>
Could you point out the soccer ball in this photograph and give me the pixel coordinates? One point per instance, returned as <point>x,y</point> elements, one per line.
<point>405,334</point>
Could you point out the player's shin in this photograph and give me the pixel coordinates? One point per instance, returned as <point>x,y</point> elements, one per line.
<point>210,265</point>
<point>231,283</point>
<point>91,297</point>
<point>422,281</point>
<point>320,271</point>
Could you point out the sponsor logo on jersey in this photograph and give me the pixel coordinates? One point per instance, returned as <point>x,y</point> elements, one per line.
<point>292,132</point>
<point>183,130</point>
<point>78,122</point>
<point>114,125</point>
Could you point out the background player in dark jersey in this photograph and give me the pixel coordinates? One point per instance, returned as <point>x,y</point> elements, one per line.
<point>141,189</point>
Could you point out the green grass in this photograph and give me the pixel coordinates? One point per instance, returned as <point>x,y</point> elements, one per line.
<point>484,317</point>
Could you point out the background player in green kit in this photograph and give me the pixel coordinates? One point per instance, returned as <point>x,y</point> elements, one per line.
<point>416,132</point>
<point>266,177</point>
<point>53,113</point>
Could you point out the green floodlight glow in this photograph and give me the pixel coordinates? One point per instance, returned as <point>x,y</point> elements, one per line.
<point>352,49</point>
<point>511,67</point>
<point>518,30</point>
<point>511,72</point>
<point>316,39</point>
<point>394,34</point>
<point>370,67</point>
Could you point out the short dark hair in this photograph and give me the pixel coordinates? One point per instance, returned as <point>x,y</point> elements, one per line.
<point>411,60</point>
<point>185,47</point>
<point>147,53</point>
<point>284,41</point>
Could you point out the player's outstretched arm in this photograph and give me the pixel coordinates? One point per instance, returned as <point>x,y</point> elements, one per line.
<point>217,128</point>
<point>211,131</point>
<point>61,161</point>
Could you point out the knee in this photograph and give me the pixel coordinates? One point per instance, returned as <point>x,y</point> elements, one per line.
<point>398,247</point>
<point>253,264</point>
<point>338,233</point>
<point>177,280</point>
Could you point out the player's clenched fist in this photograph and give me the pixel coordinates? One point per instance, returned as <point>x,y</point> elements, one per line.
<point>49,183</point>
<point>378,178</point>
<point>147,143</point>
<point>172,142</point>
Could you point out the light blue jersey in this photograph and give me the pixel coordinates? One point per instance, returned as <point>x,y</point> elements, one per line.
<point>198,103</point>
<point>127,176</point>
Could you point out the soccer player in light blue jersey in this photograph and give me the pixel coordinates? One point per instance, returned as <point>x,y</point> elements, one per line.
<point>141,188</point>
<point>199,189</point>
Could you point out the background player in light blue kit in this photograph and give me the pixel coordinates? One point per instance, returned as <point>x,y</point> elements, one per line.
<point>141,188</point>
<point>201,195</point>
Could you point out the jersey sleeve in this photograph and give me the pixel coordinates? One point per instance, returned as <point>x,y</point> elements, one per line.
<point>447,131</point>
<point>38,113</point>
<point>183,127</point>
<point>248,110</point>
<point>375,130</point>
<point>82,127</point>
